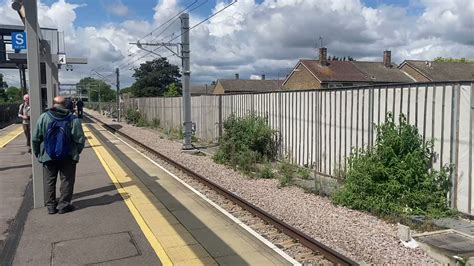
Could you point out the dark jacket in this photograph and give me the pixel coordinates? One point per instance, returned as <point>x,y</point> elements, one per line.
<point>80,105</point>
<point>77,135</point>
<point>69,105</point>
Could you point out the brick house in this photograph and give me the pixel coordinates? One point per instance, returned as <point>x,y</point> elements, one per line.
<point>234,86</point>
<point>423,71</point>
<point>324,73</point>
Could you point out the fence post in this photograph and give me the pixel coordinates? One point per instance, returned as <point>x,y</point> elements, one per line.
<point>220,115</point>
<point>371,117</point>
<point>454,143</point>
<point>471,155</point>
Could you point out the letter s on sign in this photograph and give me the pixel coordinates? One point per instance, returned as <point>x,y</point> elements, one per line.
<point>19,39</point>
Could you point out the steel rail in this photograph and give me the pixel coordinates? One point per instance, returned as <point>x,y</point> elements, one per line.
<point>311,243</point>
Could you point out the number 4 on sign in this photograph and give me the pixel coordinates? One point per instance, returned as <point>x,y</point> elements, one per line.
<point>61,59</point>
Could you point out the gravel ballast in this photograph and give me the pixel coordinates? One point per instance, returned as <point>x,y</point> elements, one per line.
<point>356,234</point>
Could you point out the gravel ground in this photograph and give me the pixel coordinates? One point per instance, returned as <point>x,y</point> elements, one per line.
<point>359,235</point>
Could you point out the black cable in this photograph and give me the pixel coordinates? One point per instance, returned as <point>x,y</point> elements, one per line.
<point>179,13</point>
<point>177,20</point>
<point>171,24</point>
<point>211,16</point>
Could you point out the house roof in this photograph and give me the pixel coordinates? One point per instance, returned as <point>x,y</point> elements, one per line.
<point>249,85</point>
<point>377,72</point>
<point>334,71</point>
<point>201,89</point>
<point>443,71</point>
<point>355,71</point>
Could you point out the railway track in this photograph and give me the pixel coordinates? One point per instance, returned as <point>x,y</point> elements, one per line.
<point>239,207</point>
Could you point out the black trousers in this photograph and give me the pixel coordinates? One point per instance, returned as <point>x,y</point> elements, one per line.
<point>79,113</point>
<point>67,171</point>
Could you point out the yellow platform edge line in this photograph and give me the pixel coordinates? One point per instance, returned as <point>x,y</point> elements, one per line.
<point>10,136</point>
<point>155,244</point>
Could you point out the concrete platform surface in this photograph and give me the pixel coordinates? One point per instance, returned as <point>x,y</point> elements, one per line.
<point>100,231</point>
<point>15,173</point>
<point>10,133</point>
<point>187,227</point>
<point>448,246</point>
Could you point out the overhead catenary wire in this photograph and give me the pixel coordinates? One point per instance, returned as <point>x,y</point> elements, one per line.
<point>181,34</point>
<point>175,16</point>
<point>177,19</point>
<point>151,34</point>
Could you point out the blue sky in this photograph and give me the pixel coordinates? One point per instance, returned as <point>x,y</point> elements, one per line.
<point>93,12</point>
<point>253,39</point>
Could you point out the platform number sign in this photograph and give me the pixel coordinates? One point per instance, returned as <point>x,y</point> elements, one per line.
<point>61,59</point>
<point>19,40</point>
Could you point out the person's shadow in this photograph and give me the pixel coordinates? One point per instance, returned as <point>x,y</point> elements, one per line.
<point>98,201</point>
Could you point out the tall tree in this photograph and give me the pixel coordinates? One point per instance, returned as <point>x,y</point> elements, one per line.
<point>92,87</point>
<point>153,77</point>
<point>172,91</point>
<point>14,94</point>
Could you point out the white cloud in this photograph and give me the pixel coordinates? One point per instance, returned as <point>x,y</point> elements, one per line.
<point>117,8</point>
<point>268,38</point>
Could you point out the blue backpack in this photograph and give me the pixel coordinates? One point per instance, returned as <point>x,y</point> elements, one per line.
<point>58,137</point>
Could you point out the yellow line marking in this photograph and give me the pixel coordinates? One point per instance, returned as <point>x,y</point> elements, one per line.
<point>99,150</point>
<point>11,135</point>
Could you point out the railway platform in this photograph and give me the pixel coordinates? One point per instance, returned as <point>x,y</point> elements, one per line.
<point>129,211</point>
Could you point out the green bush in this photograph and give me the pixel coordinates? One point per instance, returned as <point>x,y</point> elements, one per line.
<point>266,172</point>
<point>396,177</point>
<point>155,123</point>
<point>132,116</point>
<point>142,122</point>
<point>246,140</point>
<point>245,161</point>
<point>287,171</point>
<point>303,172</point>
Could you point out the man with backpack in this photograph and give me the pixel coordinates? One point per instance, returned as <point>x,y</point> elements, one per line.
<point>58,140</point>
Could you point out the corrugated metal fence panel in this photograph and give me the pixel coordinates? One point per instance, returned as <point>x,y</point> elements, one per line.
<point>8,112</point>
<point>464,170</point>
<point>321,128</point>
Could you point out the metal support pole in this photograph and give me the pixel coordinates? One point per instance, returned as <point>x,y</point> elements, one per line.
<point>186,82</point>
<point>3,49</point>
<point>118,93</point>
<point>33,59</point>
<point>49,75</point>
<point>55,76</point>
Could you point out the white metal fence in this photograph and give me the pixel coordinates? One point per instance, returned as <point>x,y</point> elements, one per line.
<point>319,128</point>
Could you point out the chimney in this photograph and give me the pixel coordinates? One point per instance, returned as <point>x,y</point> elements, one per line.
<point>323,56</point>
<point>236,75</point>
<point>263,76</point>
<point>387,58</point>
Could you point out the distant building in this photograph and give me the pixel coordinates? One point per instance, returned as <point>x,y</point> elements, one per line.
<point>198,90</point>
<point>423,71</point>
<point>233,86</point>
<point>324,73</point>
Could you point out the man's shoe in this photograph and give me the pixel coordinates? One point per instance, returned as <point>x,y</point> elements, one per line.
<point>52,210</point>
<point>68,208</point>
